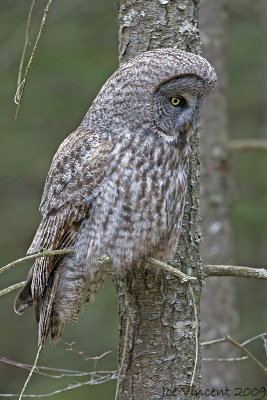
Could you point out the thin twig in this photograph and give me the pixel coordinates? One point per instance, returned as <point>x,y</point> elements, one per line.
<point>45,253</point>
<point>183,277</point>
<point>241,346</point>
<point>62,372</point>
<point>253,338</point>
<point>31,372</point>
<point>248,144</point>
<point>97,381</point>
<point>248,353</point>
<point>209,270</point>
<point>11,288</point>
<point>225,339</point>
<point>196,336</point>
<point>210,342</point>
<point>105,259</point>
<point>23,83</point>
<point>125,338</point>
<point>85,357</point>
<point>226,359</point>
<point>234,270</point>
<point>26,43</point>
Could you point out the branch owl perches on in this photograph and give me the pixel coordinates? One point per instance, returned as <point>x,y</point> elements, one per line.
<point>117,184</point>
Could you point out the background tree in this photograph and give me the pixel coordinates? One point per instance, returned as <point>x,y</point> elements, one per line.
<point>247,110</point>
<point>215,200</point>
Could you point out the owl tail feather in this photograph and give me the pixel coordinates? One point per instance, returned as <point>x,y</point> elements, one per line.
<point>44,309</point>
<point>92,286</point>
<point>68,285</point>
<point>43,304</point>
<point>76,285</point>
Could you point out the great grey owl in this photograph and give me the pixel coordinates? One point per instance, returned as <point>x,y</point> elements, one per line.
<point>117,184</point>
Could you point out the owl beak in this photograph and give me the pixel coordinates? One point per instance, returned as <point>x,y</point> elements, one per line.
<point>186,127</point>
<point>186,131</point>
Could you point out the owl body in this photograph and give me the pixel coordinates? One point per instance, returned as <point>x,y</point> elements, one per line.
<point>117,185</point>
<point>141,202</point>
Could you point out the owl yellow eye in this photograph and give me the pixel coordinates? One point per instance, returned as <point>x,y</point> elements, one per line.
<point>175,101</point>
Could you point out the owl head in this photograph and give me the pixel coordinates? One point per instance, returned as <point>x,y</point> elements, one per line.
<point>157,93</point>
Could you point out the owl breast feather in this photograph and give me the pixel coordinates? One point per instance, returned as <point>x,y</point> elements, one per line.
<point>139,211</point>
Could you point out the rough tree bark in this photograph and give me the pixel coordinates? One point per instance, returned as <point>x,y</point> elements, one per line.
<point>217,311</point>
<point>159,357</point>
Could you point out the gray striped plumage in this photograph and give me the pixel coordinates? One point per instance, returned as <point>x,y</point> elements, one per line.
<point>117,184</point>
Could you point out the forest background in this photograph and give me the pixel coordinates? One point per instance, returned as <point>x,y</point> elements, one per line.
<point>77,53</point>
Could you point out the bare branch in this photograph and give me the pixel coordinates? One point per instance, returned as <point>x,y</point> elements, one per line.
<point>240,346</point>
<point>81,353</point>
<point>96,381</point>
<point>11,288</point>
<point>96,376</point>
<point>264,339</point>
<point>120,373</point>
<point>248,144</point>
<point>248,353</point>
<point>85,357</point>
<point>31,372</point>
<point>102,259</point>
<point>26,43</point>
<point>226,359</point>
<point>196,335</point>
<point>233,270</point>
<point>210,342</point>
<point>209,270</point>
<point>21,88</point>
<point>261,335</point>
<point>183,277</point>
<point>225,339</point>
<point>62,372</point>
<point>45,253</point>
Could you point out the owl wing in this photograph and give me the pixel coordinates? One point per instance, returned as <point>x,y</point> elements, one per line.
<point>76,170</point>
<point>75,178</point>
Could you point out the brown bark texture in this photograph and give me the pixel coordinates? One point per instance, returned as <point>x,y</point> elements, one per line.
<point>217,311</point>
<point>156,311</point>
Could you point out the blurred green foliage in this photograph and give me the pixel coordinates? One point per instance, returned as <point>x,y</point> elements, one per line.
<point>76,54</point>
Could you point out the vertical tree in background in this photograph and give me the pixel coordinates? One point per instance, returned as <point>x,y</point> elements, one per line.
<point>217,311</point>
<point>158,353</point>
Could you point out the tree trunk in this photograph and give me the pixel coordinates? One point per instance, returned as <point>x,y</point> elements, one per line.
<point>157,344</point>
<point>217,310</point>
